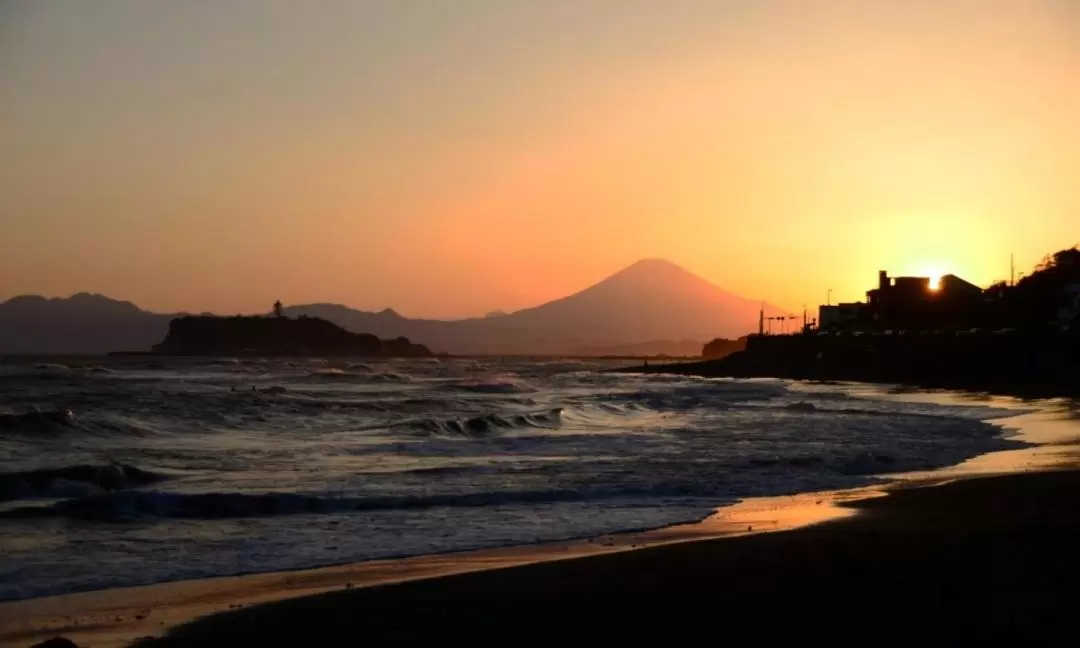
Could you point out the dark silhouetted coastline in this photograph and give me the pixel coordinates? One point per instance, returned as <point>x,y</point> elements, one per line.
<point>1040,362</point>
<point>1019,338</point>
<point>721,348</point>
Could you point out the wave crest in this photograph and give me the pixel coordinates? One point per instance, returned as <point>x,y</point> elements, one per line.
<point>71,481</point>
<point>132,505</point>
<point>361,374</point>
<point>38,422</point>
<point>488,424</point>
<point>62,421</point>
<point>496,386</point>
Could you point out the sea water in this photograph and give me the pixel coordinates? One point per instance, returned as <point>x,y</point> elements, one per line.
<point>131,471</point>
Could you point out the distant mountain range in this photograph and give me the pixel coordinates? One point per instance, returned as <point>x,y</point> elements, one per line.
<point>651,307</point>
<point>83,323</point>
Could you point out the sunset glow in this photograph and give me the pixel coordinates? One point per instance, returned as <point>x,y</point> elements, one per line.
<point>934,271</point>
<point>496,155</point>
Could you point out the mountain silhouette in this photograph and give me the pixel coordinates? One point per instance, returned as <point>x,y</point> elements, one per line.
<point>82,323</point>
<point>650,301</point>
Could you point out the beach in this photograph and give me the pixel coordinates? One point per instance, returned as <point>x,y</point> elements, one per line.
<point>963,556</point>
<point>974,562</point>
<point>978,551</point>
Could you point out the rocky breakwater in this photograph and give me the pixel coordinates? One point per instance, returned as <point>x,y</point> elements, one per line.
<point>277,336</point>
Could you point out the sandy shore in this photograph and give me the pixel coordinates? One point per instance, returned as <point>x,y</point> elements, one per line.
<point>930,559</point>
<point>120,616</point>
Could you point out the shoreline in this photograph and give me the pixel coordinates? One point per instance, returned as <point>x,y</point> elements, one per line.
<point>118,616</point>
<point>748,364</point>
<point>836,555</point>
<point>115,617</point>
<point>980,561</point>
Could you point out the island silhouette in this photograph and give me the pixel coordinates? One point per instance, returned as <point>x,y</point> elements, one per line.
<point>278,335</point>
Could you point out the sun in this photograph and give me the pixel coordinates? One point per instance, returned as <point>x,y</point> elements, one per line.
<point>934,272</point>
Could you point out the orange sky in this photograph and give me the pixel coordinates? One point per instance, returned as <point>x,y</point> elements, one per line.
<point>448,159</point>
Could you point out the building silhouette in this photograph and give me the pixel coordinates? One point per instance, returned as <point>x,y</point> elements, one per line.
<point>908,303</point>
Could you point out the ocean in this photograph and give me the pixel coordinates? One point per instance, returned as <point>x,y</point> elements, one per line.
<point>129,471</point>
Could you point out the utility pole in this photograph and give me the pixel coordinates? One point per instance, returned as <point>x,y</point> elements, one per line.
<point>1012,270</point>
<point>761,320</point>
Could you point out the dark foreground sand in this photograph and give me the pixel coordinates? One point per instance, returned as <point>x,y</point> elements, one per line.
<point>985,561</point>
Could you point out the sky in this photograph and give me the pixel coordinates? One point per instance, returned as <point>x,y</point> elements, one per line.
<point>447,158</point>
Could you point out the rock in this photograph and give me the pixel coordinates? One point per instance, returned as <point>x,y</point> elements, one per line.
<point>56,642</point>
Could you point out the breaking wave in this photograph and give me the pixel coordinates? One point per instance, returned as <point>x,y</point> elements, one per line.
<point>497,386</point>
<point>391,377</point>
<point>329,372</point>
<point>487,424</point>
<point>330,461</point>
<point>359,374</point>
<point>713,395</point>
<point>73,481</point>
<point>61,421</point>
<point>132,505</point>
<point>38,422</point>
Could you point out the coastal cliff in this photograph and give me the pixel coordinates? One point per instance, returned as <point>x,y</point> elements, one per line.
<point>277,336</point>
<point>721,348</point>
